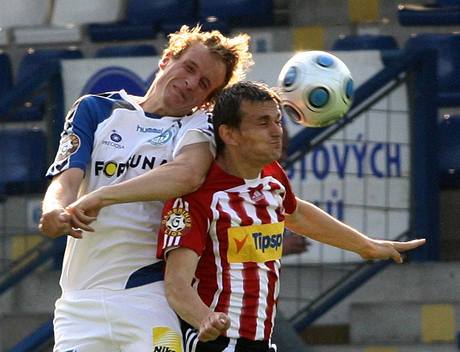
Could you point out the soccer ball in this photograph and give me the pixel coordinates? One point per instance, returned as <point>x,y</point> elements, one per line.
<point>316,88</point>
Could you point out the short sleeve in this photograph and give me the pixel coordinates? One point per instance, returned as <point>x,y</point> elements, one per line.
<point>77,137</point>
<point>183,224</point>
<point>196,129</point>
<point>289,200</point>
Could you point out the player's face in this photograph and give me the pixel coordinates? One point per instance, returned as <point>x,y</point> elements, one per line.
<point>260,132</point>
<point>188,81</point>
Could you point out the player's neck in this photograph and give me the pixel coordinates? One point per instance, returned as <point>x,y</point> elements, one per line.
<point>153,104</point>
<point>237,166</point>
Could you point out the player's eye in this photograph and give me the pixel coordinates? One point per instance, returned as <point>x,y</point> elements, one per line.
<point>203,84</point>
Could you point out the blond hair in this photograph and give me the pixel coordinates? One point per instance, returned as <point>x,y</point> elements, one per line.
<point>234,52</point>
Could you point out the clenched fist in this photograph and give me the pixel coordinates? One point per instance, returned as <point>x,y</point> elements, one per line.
<point>212,326</point>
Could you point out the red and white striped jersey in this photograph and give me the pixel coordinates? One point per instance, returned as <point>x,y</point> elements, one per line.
<point>236,227</point>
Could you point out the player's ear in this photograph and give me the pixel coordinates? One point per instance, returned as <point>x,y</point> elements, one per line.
<point>228,135</point>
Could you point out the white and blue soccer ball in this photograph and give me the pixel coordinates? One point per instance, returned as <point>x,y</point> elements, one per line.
<point>316,88</point>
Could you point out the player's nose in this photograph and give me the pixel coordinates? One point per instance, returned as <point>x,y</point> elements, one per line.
<point>276,130</point>
<point>191,83</point>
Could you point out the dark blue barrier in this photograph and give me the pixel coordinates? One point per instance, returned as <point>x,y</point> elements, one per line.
<point>428,15</point>
<point>36,339</point>
<point>37,256</point>
<point>424,219</point>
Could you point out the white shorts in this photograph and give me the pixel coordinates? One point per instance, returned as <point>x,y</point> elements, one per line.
<point>132,320</point>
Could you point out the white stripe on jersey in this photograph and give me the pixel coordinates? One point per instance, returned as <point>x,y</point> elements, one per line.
<point>236,298</point>
<point>179,203</point>
<point>191,340</point>
<point>262,306</point>
<point>276,293</point>
<point>170,241</point>
<point>250,211</point>
<point>231,346</point>
<point>273,199</point>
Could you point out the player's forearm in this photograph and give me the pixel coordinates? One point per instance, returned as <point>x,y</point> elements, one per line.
<point>185,301</point>
<point>55,220</point>
<point>159,184</point>
<point>315,223</point>
<point>62,191</point>
<point>56,198</point>
<point>174,179</point>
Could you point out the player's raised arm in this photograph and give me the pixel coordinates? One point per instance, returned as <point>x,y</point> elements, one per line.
<point>181,176</point>
<point>311,221</point>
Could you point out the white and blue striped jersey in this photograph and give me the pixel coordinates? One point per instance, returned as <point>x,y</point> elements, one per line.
<point>112,139</point>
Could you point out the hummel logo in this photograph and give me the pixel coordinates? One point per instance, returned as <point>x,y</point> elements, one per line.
<point>240,243</point>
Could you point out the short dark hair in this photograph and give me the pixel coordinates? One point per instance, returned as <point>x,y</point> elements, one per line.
<point>227,107</point>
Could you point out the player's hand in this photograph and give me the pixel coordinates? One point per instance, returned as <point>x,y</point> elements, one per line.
<point>294,244</point>
<point>391,249</point>
<point>212,326</point>
<point>85,210</point>
<point>58,222</point>
<point>80,220</point>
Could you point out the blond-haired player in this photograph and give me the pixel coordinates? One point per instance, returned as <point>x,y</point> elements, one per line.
<point>155,147</point>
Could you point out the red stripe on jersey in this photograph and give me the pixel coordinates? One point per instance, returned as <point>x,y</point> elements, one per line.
<point>222,224</point>
<point>272,280</point>
<point>207,268</point>
<point>274,186</point>
<point>249,313</point>
<point>236,203</point>
<point>260,204</point>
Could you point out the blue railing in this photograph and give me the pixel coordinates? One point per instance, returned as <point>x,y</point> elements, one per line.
<point>30,261</point>
<point>38,338</point>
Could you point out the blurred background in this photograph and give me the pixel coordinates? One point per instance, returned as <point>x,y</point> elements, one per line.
<point>391,168</point>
